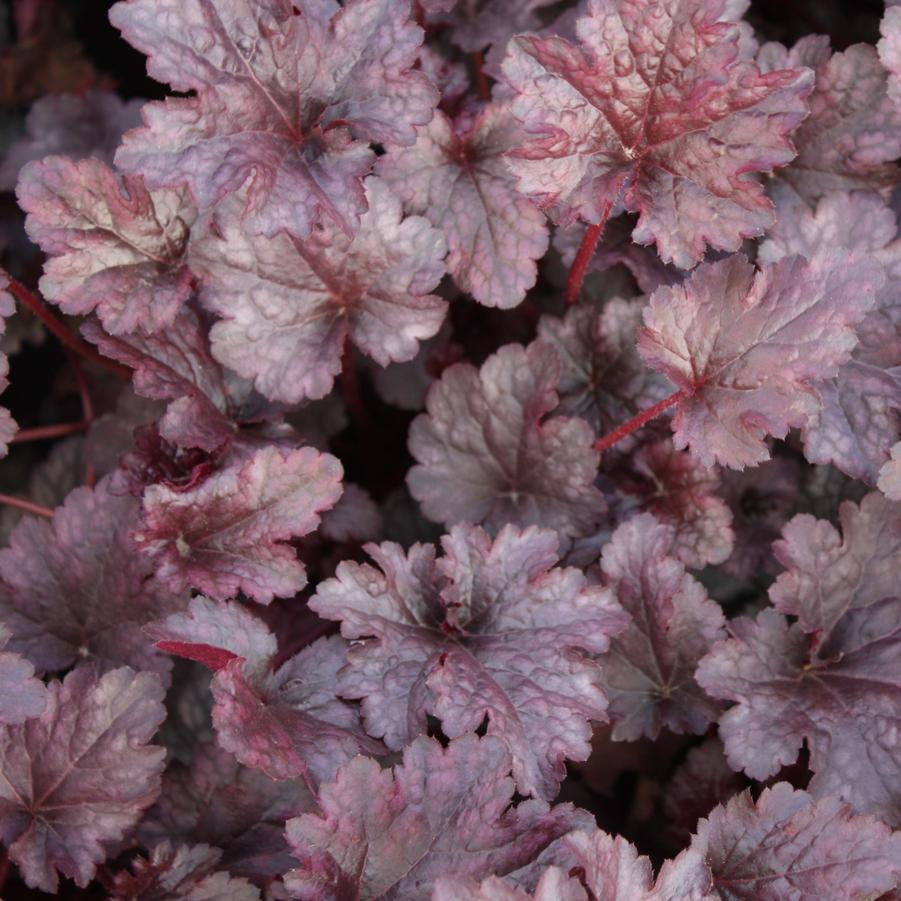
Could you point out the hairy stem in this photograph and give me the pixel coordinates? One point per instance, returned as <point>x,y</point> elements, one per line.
<point>482,83</point>
<point>44,432</point>
<point>636,422</point>
<point>583,257</point>
<point>25,505</point>
<point>54,325</point>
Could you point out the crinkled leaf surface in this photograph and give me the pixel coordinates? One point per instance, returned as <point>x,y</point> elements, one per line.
<point>852,136</point>
<point>8,427</point>
<point>744,346</point>
<point>681,492</point>
<point>217,801</point>
<point>113,246</point>
<point>176,364</point>
<point>476,24</point>
<point>586,865</point>
<point>788,847</point>
<point>75,125</point>
<point>648,673</point>
<point>21,695</point>
<point>286,722</point>
<point>861,415</point>
<point>77,777</point>
<point>833,678</point>
<point>289,306</point>
<point>456,175</point>
<point>180,873</point>
<point>491,630</point>
<point>229,533</point>
<point>602,379</point>
<point>390,833</point>
<point>656,109</point>
<point>486,453</point>
<point>74,587</point>
<point>288,95</point>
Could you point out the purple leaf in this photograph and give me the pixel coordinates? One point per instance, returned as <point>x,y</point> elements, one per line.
<point>289,93</point>
<point>743,346</point>
<point>491,630</point>
<point>648,671</point>
<point>860,419</point>
<point>176,364</point>
<point>653,108</point>
<point>218,802</point>
<point>391,833</point>
<point>679,492</point>
<point>113,246</point>
<point>455,175</point>
<point>289,306</point>
<point>78,777</point>
<point>787,846</point>
<point>852,136</point>
<point>230,532</point>
<point>74,587</point>
<point>74,125</point>
<point>286,722</point>
<point>487,454</point>
<point>797,683</point>
<point>890,475</point>
<point>180,873</point>
<point>602,378</point>
<point>21,695</point>
<point>601,866</point>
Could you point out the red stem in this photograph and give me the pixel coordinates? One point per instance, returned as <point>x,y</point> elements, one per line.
<point>27,506</point>
<point>73,342</point>
<point>482,83</point>
<point>583,257</point>
<point>49,431</point>
<point>636,422</point>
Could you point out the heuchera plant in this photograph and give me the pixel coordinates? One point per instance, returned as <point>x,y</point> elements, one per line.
<point>451,450</point>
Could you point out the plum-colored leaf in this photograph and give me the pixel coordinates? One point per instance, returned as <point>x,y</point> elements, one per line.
<point>890,475</point>
<point>289,306</point>
<point>74,588</point>
<point>21,695</point>
<point>113,247</point>
<point>216,801</point>
<point>229,533</point>
<point>788,847</point>
<point>889,49</point>
<point>487,454</point>
<point>74,125</point>
<point>860,418</point>
<point>455,175</point>
<point>648,673</point>
<point>655,108</point>
<point>287,721</point>
<point>852,136</point>
<point>587,865</point>
<point>180,873</point>
<point>796,683</point>
<point>703,780</point>
<point>289,93</point>
<point>477,24</point>
<point>391,833</point>
<point>80,775</point>
<point>176,364</point>
<point>355,517</point>
<point>680,492</point>
<point>602,379</point>
<point>491,630</point>
<point>8,427</point>
<point>743,346</point>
